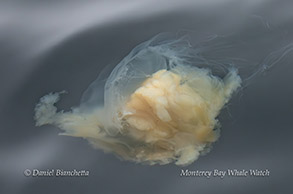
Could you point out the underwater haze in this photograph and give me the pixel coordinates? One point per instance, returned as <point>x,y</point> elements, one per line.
<point>57,46</point>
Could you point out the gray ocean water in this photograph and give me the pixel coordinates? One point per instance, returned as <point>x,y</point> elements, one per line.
<point>48,46</point>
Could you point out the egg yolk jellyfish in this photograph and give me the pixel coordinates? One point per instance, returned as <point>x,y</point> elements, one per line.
<point>158,105</point>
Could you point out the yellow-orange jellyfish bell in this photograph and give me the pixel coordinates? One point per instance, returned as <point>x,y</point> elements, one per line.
<point>158,105</point>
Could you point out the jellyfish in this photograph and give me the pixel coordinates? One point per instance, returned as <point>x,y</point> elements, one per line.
<point>159,105</point>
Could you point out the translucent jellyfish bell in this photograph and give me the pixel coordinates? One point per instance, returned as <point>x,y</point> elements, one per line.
<point>119,83</point>
<point>159,104</point>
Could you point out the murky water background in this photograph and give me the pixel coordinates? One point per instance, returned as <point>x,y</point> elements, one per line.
<point>56,45</point>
